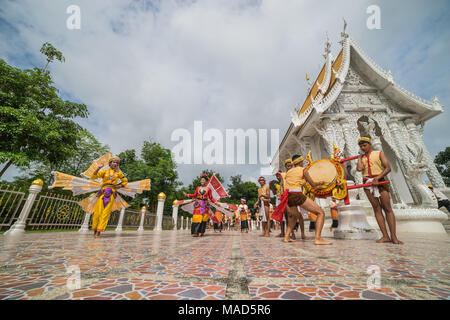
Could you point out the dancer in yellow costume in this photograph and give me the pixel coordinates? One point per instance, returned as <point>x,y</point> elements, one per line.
<point>107,193</point>
<point>106,185</point>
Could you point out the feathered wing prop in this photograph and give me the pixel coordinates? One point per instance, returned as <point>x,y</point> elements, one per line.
<point>94,166</point>
<point>81,186</point>
<point>76,185</point>
<point>135,187</point>
<point>224,207</point>
<point>188,206</point>
<point>218,191</point>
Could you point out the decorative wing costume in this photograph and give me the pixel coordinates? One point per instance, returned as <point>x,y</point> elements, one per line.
<point>217,192</point>
<point>81,186</point>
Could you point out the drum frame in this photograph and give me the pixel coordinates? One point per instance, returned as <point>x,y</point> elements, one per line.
<point>337,189</point>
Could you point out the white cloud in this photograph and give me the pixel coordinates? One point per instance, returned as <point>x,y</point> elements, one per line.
<point>146,71</point>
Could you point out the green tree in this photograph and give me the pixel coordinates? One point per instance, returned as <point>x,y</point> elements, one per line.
<point>37,125</point>
<point>51,53</point>
<point>156,163</point>
<point>239,189</point>
<point>442,161</point>
<point>88,148</point>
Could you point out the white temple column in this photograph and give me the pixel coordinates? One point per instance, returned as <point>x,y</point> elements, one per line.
<point>119,224</point>
<point>160,211</point>
<point>393,125</point>
<point>181,223</point>
<point>432,172</point>
<point>329,140</point>
<point>351,141</point>
<point>175,214</point>
<point>353,222</point>
<point>141,223</point>
<point>19,226</point>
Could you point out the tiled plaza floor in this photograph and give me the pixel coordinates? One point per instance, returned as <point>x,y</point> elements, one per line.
<point>229,265</point>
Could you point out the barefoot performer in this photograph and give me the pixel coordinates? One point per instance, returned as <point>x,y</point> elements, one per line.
<point>108,182</point>
<point>280,176</point>
<point>264,199</point>
<point>293,197</point>
<point>243,212</point>
<point>297,161</point>
<point>375,166</point>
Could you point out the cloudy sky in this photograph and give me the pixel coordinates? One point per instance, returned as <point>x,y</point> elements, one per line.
<point>147,68</point>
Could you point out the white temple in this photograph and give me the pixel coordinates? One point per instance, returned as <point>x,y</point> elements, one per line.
<point>352,97</point>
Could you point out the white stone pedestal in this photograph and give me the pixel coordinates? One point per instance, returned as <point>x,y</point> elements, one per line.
<point>19,226</point>
<point>159,215</point>
<point>119,225</point>
<point>141,223</point>
<point>85,226</point>
<point>420,220</point>
<point>352,220</point>
<point>175,214</point>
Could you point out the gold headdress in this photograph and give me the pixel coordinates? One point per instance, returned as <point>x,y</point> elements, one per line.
<point>308,158</point>
<point>287,160</point>
<point>364,139</point>
<point>298,160</point>
<point>336,153</point>
<point>114,158</point>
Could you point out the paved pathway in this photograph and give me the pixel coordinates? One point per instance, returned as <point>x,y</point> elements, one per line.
<point>230,265</point>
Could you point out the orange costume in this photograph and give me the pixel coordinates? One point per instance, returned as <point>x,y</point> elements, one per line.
<point>243,212</point>
<point>334,213</point>
<point>218,225</point>
<point>372,167</point>
<point>312,221</point>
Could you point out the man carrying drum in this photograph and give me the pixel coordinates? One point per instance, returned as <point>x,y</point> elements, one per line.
<point>298,162</point>
<point>293,197</point>
<point>375,166</point>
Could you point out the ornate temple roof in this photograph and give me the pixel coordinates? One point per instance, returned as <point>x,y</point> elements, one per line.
<point>330,81</point>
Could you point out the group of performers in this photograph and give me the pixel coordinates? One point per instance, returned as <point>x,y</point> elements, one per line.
<point>291,202</point>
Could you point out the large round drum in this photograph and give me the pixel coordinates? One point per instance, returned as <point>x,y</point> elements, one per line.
<point>327,170</point>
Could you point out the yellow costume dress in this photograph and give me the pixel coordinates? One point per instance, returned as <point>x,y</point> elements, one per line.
<point>102,209</point>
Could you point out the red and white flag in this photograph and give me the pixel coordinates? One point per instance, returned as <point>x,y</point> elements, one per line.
<point>217,190</point>
<point>229,206</point>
